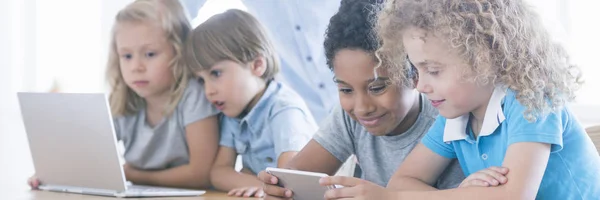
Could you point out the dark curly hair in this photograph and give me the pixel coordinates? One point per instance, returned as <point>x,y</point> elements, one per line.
<point>352,27</point>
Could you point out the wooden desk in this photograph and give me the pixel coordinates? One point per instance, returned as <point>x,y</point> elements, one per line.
<point>45,195</point>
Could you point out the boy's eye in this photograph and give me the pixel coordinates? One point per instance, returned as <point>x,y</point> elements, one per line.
<point>215,73</point>
<point>433,72</point>
<point>150,54</point>
<point>376,89</point>
<point>126,56</point>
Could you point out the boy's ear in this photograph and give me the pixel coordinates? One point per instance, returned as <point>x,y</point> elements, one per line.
<point>259,66</point>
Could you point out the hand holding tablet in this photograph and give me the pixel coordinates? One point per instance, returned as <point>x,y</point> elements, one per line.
<point>305,185</point>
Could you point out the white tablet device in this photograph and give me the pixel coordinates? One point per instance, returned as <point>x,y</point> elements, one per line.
<point>305,185</point>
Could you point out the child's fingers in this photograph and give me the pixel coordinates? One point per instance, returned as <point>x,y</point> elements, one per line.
<point>479,183</point>
<point>473,183</point>
<point>33,182</point>
<point>260,193</point>
<point>488,177</point>
<point>480,176</point>
<point>501,170</point>
<point>250,191</point>
<point>267,178</point>
<point>231,192</point>
<point>498,177</point>
<point>275,190</point>
<point>240,192</point>
<point>234,192</point>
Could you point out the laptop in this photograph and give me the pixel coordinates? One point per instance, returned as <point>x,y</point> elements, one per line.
<point>74,146</point>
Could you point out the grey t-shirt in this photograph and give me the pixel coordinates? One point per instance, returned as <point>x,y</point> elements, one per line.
<point>163,146</point>
<point>380,156</point>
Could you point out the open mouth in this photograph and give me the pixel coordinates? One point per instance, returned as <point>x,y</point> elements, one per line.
<point>219,104</point>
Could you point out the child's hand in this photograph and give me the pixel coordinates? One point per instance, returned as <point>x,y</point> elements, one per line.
<point>270,187</point>
<point>354,188</point>
<point>247,192</point>
<point>33,182</point>
<point>492,176</point>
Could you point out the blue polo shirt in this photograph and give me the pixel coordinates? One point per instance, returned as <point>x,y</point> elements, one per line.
<point>279,122</point>
<point>573,170</point>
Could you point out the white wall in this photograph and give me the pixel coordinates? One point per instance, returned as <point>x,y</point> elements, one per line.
<point>42,42</point>
<point>15,63</point>
<point>572,23</point>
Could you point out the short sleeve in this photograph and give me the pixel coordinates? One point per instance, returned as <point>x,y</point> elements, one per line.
<point>194,106</point>
<point>434,139</point>
<point>546,129</point>
<point>292,128</point>
<point>336,134</point>
<point>117,128</point>
<point>226,130</point>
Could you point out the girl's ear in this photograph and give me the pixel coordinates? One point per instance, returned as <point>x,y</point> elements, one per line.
<point>258,66</point>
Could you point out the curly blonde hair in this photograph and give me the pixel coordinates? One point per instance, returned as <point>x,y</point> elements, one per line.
<point>171,17</point>
<point>503,41</point>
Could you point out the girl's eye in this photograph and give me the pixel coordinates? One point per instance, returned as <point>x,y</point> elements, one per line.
<point>433,73</point>
<point>126,56</point>
<point>345,91</point>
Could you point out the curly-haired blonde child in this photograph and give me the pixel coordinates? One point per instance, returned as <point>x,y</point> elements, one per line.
<point>501,86</point>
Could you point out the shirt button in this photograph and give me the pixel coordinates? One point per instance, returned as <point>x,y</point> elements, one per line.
<point>269,159</point>
<point>322,85</point>
<point>297,27</point>
<point>484,156</point>
<point>309,58</point>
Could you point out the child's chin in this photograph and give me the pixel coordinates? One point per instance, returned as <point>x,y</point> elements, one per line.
<point>451,115</point>
<point>377,131</point>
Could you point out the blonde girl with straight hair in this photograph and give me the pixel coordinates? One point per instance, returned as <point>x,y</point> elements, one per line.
<point>169,129</point>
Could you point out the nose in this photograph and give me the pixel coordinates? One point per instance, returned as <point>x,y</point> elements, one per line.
<point>363,105</point>
<point>423,85</point>
<point>209,89</point>
<point>138,65</point>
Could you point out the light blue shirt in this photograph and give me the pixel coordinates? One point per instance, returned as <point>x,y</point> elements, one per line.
<point>573,170</point>
<point>278,123</point>
<point>297,30</point>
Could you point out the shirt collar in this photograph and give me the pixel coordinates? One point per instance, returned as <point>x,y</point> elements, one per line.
<point>258,110</point>
<point>456,129</point>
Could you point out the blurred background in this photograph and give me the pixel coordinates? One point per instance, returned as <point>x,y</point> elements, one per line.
<point>61,46</point>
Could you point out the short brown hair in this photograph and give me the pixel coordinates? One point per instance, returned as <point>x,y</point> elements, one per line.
<point>233,35</point>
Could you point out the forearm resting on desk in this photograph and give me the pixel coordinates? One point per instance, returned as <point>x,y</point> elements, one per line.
<point>226,178</point>
<point>182,177</point>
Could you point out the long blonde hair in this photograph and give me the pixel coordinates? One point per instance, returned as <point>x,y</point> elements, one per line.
<point>171,17</point>
<point>233,35</point>
<point>503,41</point>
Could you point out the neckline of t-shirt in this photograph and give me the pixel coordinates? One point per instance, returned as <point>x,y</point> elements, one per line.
<point>409,135</point>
